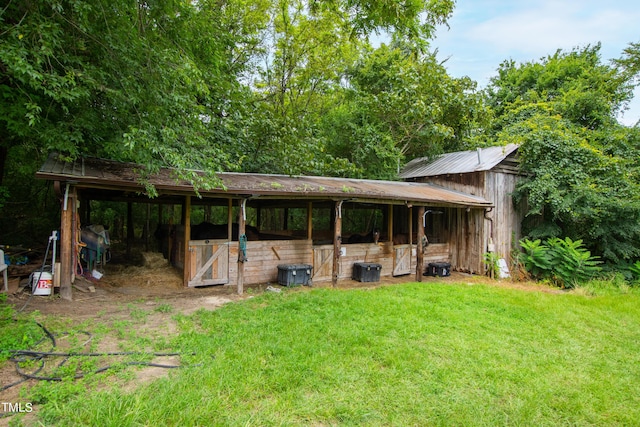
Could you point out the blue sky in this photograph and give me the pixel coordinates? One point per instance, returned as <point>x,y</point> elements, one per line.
<point>484,33</point>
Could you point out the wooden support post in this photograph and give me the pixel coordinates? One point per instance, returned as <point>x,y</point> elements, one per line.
<point>67,233</point>
<point>337,243</point>
<point>420,242</point>
<point>186,221</point>
<point>242,218</point>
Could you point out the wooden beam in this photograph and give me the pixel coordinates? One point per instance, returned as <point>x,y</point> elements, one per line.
<point>337,243</point>
<point>67,233</point>
<point>186,221</point>
<point>420,242</point>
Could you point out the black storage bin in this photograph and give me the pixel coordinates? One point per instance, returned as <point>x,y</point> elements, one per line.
<point>294,274</point>
<point>366,272</point>
<point>440,269</point>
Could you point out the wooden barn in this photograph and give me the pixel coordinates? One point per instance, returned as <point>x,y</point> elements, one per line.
<point>490,173</point>
<point>329,224</point>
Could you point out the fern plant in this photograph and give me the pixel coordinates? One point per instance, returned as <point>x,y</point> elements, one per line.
<point>535,258</point>
<point>572,263</point>
<point>635,271</point>
<point>565,262</point>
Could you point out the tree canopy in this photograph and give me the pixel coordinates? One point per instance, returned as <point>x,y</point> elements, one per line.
<point>580,164</point>
<point>187,85</point>
<point>297,87</point>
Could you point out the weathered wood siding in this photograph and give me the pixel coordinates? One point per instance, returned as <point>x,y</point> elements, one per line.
<point>470,183</point>
<point>382,253</point>
<point>470,232</point>
<point>209,263</point>
<point>435,252</point>
<point>466,240</point>
<point>506,217</point>
<point>264,257</point>
<point>322,263</point>
<point>467,237</point>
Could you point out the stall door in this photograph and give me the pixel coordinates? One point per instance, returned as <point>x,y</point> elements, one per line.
<point>401,260</point>
<point>209,262</point>
<point>322,262</point>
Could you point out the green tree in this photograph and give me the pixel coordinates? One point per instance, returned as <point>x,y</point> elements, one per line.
<point>402,104</point>
<point>144,81</point>
<point>580,165</point>
<point>151,82</point>
<point>305,87</point>
<point>208,85</point>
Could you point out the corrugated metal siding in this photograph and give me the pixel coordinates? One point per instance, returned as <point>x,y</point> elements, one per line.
<point>458,162</point>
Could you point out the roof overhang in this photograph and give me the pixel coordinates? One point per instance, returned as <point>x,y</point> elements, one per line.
<point>108,175</point>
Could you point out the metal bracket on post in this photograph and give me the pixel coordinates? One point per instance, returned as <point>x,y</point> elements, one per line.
<point>243,209</point>
<point>66,198</point>
<point>425,239</point>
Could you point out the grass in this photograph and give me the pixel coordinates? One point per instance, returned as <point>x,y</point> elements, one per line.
<point>414,354</point>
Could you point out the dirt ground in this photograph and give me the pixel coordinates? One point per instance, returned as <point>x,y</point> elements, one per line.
<point>151,288</point>
<point>156,282</point>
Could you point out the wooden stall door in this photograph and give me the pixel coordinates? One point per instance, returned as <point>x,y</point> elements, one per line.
<point>322,262</point>
<point>402,260</point>
<point>209,262</point>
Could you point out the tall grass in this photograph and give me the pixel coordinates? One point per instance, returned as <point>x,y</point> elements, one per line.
<point>415,354</point>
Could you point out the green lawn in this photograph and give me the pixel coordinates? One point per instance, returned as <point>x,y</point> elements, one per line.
<point>414,354</point>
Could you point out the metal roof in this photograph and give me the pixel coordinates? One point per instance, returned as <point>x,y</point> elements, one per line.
<point>482,159</point>
<point>111,175</point>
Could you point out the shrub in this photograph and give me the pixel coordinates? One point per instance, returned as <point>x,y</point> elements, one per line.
<point>634,269</point>
<point>564,262</point>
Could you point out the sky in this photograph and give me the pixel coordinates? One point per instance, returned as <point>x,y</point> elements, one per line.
<point>484,33</point>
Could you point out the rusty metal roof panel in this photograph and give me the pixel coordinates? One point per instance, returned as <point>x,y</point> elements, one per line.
<point>482,159</point>
<point>107,174</point>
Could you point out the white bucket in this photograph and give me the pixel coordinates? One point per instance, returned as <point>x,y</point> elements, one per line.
<point>42,283</point>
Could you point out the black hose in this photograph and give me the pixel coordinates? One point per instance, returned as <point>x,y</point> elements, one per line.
<point>22,356</point>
